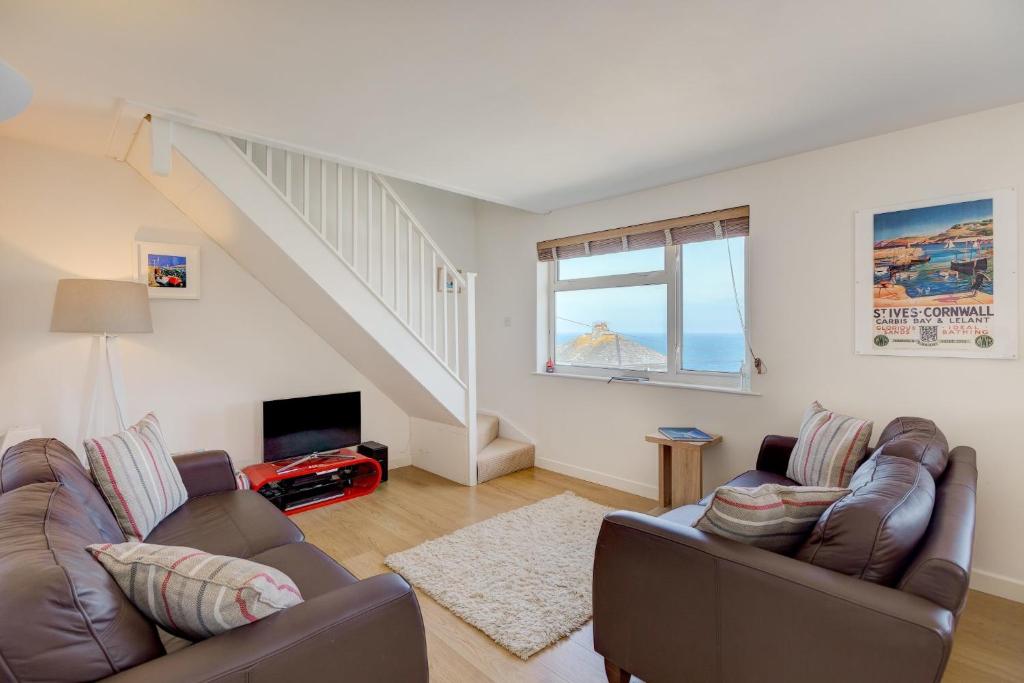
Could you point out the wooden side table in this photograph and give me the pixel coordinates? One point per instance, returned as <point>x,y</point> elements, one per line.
<point>680,471</point>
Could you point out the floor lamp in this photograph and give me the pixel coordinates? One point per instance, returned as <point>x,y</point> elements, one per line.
<point>105,308</point>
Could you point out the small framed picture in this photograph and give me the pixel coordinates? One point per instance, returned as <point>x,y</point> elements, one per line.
<point>446,284</point>
<point>170,271</point>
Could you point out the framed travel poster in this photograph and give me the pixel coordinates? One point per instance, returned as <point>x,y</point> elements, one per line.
<point>170,271</point>
<point>938,278</point>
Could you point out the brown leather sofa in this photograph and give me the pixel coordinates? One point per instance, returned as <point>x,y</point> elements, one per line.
<point>62,618</point>
<point>873,595</point>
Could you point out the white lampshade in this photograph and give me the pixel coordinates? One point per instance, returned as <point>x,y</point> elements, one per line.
<point>101,307</point>
<point>15,92</point>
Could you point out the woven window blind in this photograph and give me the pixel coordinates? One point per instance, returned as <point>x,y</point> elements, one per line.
<point>701,227</point>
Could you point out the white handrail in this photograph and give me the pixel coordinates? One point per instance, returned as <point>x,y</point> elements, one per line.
<point>438,333</point>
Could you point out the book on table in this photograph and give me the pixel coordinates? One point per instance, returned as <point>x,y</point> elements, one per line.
<point>685,434</point>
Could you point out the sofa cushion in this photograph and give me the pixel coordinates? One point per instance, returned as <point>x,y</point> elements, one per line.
<point>63,617</point>
<point>750,479</point>
<point>829,448</point>
<point>134,472</point>
<point>773,517</point>
<point>235,523</point>
<point>50,460</point>
<point>917,439</point>
<point>39,461</point>
<point>195,594</point>
<point>312,570</point>
<point>872,533</point>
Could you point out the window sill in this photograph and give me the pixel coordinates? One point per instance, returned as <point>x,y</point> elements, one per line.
<point>655,383</point>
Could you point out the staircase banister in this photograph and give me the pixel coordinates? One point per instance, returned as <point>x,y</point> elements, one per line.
<point>443,342</point>
<point>457,276</point>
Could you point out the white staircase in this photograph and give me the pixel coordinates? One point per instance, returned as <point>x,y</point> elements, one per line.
<point>340,248</point>
<point>499,455</point>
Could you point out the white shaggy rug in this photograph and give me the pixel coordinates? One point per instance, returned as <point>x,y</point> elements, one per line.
<point>522,577</point>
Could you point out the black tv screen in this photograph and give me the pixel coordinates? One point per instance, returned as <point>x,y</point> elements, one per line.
<point>312,424</point>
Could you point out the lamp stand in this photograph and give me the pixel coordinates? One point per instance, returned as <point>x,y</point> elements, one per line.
<point>113,354</point>
<point>104,371</point>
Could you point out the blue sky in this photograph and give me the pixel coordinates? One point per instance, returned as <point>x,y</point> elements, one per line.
<point>708,306</point>
<point>640,261</point>
<point>165,261</point>
<point>630,310</point>
<point>929,220</point>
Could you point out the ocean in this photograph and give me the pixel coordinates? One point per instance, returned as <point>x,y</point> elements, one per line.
<point>706,351</point>
<point>935,278</point>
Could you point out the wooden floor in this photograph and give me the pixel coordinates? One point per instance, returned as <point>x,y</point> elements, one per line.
<point>415,506</point>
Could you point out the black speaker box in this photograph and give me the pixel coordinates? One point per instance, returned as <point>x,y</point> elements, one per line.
<point>377,451</point>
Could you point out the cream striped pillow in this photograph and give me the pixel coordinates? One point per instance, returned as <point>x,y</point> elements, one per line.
<point>134,471</point>
<point>770,516</point>
<point>828,448</point>
<point>194,594</point>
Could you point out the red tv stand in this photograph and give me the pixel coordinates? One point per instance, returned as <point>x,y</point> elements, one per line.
<point>325,480</point>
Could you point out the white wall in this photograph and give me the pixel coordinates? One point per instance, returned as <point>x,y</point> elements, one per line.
<point>208,363</point>
<point>801,312</point>
<point>449,218</point>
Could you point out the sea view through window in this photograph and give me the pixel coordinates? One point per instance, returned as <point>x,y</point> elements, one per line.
<point>626,326</point>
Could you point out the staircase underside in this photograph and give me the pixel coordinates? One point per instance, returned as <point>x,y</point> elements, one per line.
<point>280,252</point>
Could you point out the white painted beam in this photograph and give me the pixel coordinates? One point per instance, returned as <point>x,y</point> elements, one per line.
<point>161,138</point>
<point>127,119</point>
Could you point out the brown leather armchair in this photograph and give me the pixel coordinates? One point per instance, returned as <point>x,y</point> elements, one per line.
<point>675,604</point>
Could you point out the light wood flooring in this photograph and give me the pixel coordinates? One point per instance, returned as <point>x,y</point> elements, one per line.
<point>415,506</point>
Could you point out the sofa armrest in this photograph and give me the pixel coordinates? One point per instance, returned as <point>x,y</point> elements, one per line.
<point>205,472</point>
<point>674,603</point>
<point>367,631</point>
<point>774,454</point>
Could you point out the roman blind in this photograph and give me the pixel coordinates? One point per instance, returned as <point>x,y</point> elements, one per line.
<point>700,227</point>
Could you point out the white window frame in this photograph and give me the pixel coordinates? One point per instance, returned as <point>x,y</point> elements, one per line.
<point>672,277</point>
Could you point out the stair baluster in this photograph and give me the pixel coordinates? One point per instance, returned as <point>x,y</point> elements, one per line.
<point>439,331</point>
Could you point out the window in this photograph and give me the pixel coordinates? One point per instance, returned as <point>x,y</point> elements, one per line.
<point>620,263</point>
<point>628,329</point>
<point>672,313</point>
<point>712,331</point>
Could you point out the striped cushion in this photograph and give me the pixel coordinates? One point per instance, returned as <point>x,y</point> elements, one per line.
<point>193,594</point>
<point>829,448</point>
<point>769,516</point>
<point>137,476</point>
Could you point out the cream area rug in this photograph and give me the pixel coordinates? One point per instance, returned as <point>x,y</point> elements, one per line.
<point>522,577</point>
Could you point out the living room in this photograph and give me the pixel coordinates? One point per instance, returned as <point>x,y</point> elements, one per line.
<point>543,234</point>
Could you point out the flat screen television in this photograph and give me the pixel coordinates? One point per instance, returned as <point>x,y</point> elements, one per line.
<point>312,424</point>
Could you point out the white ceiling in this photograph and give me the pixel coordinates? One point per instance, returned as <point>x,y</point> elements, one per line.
<point>533,103</point>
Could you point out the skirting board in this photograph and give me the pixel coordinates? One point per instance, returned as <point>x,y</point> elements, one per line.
<point>401,461</point>
<point>995,584</point>
<point>635,487</point>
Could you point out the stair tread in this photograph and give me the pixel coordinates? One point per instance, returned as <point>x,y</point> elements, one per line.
<point>500,447</point>
<point>503,456</point>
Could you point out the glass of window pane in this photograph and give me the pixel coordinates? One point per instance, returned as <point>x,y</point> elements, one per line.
<point>614,327</point>
<point>639,261</point>
<point>712,334</point>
